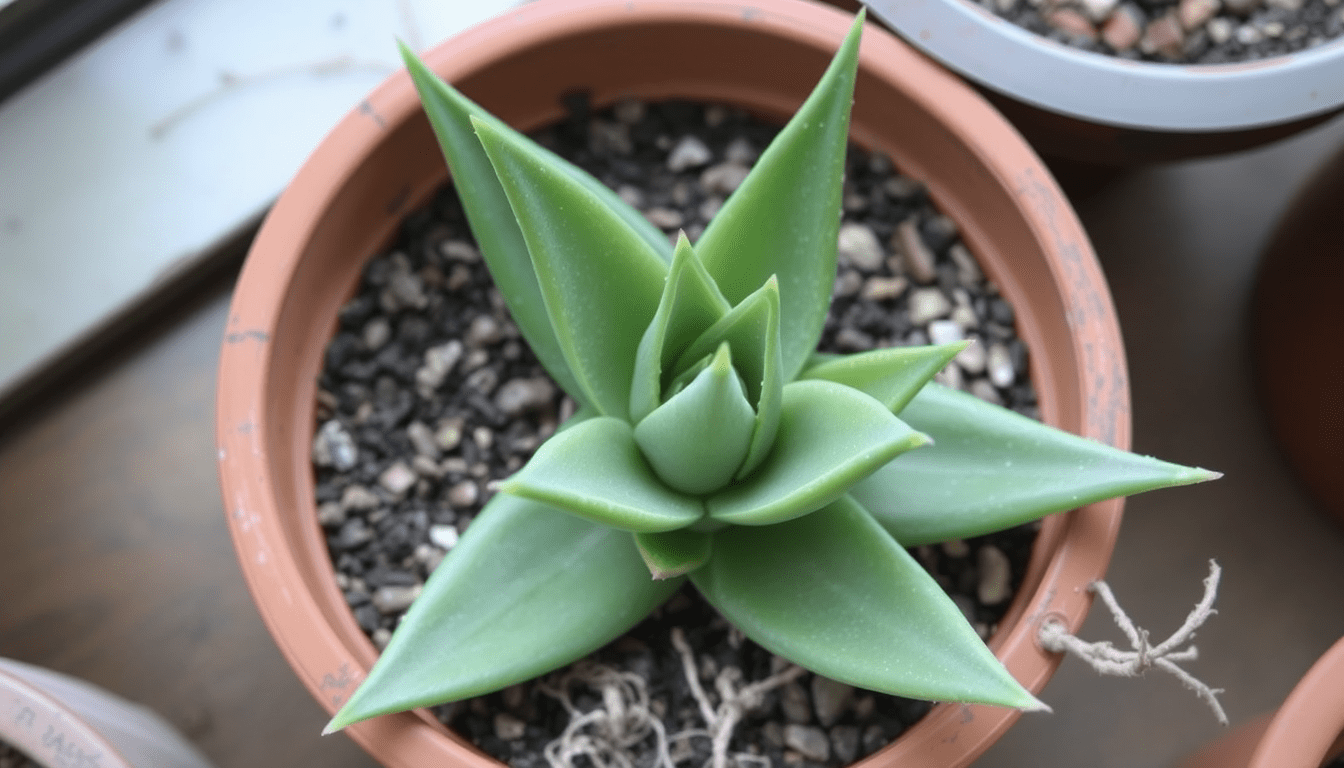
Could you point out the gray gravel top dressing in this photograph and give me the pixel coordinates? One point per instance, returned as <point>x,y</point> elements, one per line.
<point>1180,31</point>
<point>428,395</point>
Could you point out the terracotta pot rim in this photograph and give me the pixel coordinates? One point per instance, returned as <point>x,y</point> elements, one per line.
<point>1310,722</point>
<point>1097,88</point>
<point>329,653</point>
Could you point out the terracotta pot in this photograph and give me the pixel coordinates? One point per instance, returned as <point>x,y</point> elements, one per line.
<point>1093,108</point>
<point>381,162</point>
<point>60,721</point>
<point>1295,325</point>
<point>1307,731</point>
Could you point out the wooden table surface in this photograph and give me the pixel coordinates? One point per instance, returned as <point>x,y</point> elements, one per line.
<point>117,563</point>
<point>117,566</point>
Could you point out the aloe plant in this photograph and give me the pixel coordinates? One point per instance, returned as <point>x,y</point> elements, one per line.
<point>714,444</point>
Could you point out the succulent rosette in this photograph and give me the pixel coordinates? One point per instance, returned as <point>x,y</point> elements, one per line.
<point>713,443</point>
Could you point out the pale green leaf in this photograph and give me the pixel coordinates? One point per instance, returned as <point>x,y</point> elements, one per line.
<point>491,218</point>
<point>699,437</point>
<point>784,219</point>
<point>674,553</point>
<point>833,593</point>
<point>450,113</point>
<point>752,331</point>
<point>584,413</point>
<point>893,375</point>
<point>526,590</point>
<point>830,437</point>
<point>595,470</point>
<point>599,279</point>
<point>990,468</point>
<point>690,304</point>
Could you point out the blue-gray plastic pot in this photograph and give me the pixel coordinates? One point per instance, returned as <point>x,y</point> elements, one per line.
<point>1093,108</point>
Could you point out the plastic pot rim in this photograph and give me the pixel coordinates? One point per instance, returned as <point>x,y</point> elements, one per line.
<point>1010,60</point>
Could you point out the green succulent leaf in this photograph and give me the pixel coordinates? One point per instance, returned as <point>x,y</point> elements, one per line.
<point>990,468</point>
<point>893,375</point>
<point>690,304</point>
<point>595,470</point>
<point>699,437</point>
<point>491,217</point>
<point>784,219</point>
<point>674,553</point>
<point>526,590</point>
<point>830,437</point>
<point>599,279</point>
<point>450,113</point>
<point>752,331</point>
<point>831,592</point>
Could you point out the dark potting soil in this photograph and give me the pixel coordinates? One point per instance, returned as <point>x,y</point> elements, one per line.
<point>428,395</point>
<point>11,757</point>
<point>1180,31</point>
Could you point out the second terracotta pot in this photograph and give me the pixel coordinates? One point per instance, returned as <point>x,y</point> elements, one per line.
<point>381,162</point>
<point>1307,731</point>
<point>1296,320</point>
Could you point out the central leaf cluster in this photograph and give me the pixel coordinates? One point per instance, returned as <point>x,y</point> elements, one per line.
<point>708,381</point>
<point>714,435</point>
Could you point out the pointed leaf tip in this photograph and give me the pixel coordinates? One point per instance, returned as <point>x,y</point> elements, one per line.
<point>1037,706</point>
<point>830,437</point>
<point>893,375</point>
<point>992,469</point>
<point>797,180</point>
<point>1201,475</point>
<point>526,590</point>
<point>696,440</point>
<point>833,594</point>
<point>599,280</point>
<point>674,553</point>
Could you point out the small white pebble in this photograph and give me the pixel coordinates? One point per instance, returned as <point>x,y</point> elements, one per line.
<point>443,536</point>
<point>690,152</point>
<point>945,332</point>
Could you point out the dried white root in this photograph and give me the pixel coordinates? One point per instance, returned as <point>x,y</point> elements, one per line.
<point>609,735</point>
<point>606,735</point>
<point>1106,659</point>
<point>734,701</point>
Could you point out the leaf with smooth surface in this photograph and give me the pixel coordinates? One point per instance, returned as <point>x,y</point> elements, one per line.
<point>526,590</point>
<point>785,217</point>
<point>699,437</point>
<point>491,217</point>
<point>833,593</point>
<point>752,331</point>
<point>990,468</point>
<point>674,553</point>
<point>893,375</point>
<point>595,470</point>
<point>830,437</point>
<point>450,113</point>
<point>599,279</point>
<point>690,304</point>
